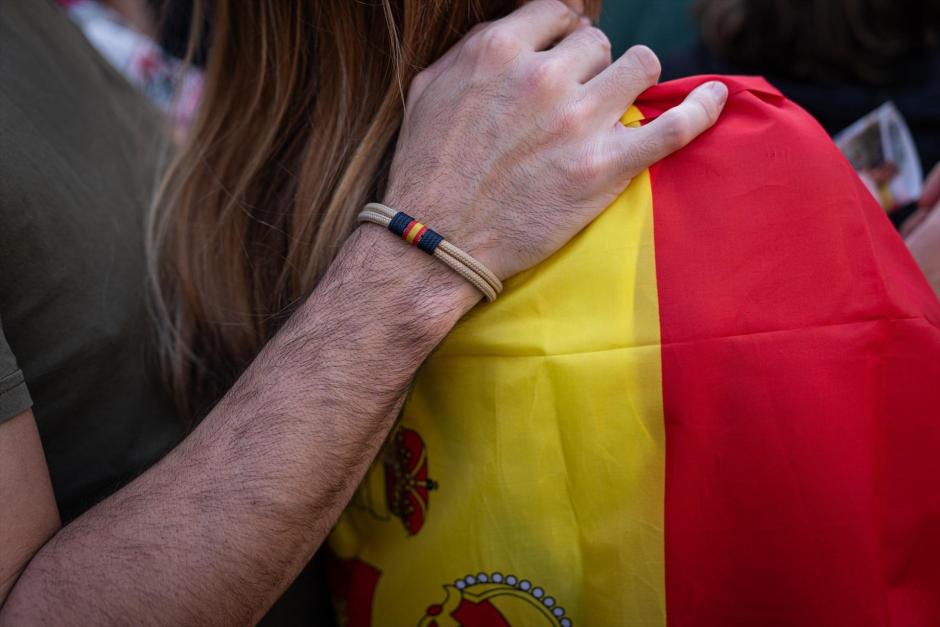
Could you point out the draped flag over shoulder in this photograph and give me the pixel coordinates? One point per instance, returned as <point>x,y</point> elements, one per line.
<point>719,405</point>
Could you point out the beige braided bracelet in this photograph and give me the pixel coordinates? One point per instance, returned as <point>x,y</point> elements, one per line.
<point>434,244</point>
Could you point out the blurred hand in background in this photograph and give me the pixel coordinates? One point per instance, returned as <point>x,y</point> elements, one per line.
<point>924,239</point>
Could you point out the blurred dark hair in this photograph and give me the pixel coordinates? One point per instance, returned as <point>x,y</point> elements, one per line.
<point>182,29</point>
<point>854,41</point>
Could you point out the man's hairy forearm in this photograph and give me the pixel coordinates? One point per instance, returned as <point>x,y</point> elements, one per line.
<point>217,530</point>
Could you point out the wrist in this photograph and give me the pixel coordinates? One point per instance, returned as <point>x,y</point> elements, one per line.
<point>437,295</point>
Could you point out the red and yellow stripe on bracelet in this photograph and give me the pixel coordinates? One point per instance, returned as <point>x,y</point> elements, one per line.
<point>414,232</point>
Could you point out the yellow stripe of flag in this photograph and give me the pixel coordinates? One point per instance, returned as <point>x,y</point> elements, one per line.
<point>545,440</point>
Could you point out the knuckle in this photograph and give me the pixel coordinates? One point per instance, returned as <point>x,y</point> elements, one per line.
<point>598,36</point>
<point>677,130</point>
<point>557,9</point>
<point>544,75</point>
<point>646,61</point>
<point>496,43</point>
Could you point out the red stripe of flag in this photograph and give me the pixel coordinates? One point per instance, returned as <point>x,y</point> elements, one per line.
<point>801,382</point>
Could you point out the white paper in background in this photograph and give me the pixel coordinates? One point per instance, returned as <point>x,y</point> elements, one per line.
<point>880,148</point>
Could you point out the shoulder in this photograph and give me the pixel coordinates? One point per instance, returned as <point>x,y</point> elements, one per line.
<point>761,223</point>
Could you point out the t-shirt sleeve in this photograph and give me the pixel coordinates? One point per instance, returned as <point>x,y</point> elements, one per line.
<point>14,397</point>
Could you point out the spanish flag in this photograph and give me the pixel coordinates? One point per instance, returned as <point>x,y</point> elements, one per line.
<point>718,406</point>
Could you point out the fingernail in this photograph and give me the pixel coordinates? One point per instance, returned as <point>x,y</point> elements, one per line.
<point>717,89</point>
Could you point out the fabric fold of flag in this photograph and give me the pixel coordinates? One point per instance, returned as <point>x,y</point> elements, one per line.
<point>719,405</point>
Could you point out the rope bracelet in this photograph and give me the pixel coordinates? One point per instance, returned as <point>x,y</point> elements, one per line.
<point>434,244</point>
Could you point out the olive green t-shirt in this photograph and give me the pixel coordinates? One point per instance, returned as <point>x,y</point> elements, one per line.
<point>78,150</point>
<point>79,154</point>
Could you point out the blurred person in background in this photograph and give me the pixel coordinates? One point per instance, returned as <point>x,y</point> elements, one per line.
<point>167,526</point>
<point>924,236</point>
<point>126,33</point>
<point>838,59</point>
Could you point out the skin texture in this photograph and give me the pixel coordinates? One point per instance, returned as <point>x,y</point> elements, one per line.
<point>216,530</point>
<point>509,148</point>
<point>542,140</point>
<point>29,515</point>
<point>924,240</point>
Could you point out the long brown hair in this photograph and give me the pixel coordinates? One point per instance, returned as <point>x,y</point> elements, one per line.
<point>302,107</point>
